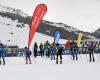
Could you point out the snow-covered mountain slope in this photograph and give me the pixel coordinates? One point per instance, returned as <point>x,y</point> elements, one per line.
<point>14,29</point>
<point>69,29</point>
<point>11,10</point>
<point>66,27</point>
<point>97,33</point>
<point>11,34</point>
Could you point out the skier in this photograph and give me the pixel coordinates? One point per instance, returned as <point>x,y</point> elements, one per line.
<point>46,49</point>
<point>81,48</point>
<point>28,54</point>
<point>53,52</point>
<point>2,54</point>
<point>59,53</point>
<point>85,48</point>
<point>91,51</point>
<point>41,49</point>
<point>74,51</point>
<point>35,50</point>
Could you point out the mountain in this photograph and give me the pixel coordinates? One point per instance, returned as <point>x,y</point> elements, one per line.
<point>97,33</point>
<point>67,31</point>
<point>14,27</point>
<point>5,9</point>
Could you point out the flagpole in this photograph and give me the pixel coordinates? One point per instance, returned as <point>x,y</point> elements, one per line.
<point>29,32</point>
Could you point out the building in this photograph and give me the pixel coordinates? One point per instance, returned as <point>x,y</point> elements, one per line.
<point>91,40</point>
<point>13,50</point>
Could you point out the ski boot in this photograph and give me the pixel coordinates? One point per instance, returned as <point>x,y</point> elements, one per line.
<point>3,63</point>
<point>93,60</point>
<point>60,62</point>
<point>56,62</point>
<point>0,62</point>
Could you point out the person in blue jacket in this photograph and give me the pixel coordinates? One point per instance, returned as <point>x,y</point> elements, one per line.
<point>2,54</point>
<point>28,55</point>
<point>53,52</point>
<point>74,51</point>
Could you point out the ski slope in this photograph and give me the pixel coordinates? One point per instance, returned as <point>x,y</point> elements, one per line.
<point>20,35</point>
<point>45,69</point>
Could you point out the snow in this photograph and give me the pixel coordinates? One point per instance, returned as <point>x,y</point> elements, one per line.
<point>17,37</point>
<point>67,28</point>
<point>11,10</point>
<point>21,35</point>
<point>45,69</point>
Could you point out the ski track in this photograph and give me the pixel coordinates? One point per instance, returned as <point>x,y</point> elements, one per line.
<point>45,69</point>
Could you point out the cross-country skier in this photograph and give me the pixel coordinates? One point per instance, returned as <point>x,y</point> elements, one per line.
<point>35,50</point>
<point>41,49</point>
<point>81,48</point>
<point>59,53</point>
<point>91,51</point>
<point>2,53</point>
<point>85,48</point>
<point>53,52</point>
<point>75,51</point>
<point>46,49</point>
<point>28,54</point>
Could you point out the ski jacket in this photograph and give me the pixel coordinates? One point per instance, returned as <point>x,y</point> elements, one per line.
<point>35,47</point>
<point>91,47</point>
<point>28,52</point>
<point>1,50</point>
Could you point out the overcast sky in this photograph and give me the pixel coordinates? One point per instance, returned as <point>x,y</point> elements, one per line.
<point>82,14</point>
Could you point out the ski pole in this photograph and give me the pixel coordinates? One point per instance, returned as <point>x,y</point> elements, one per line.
<point>80,54</point>
<point>7,59</point>
<point>86,57</point>
<point>33,59</point>
<point>97,56</point>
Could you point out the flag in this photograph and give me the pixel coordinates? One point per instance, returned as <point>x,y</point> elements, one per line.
<point>38,15</point>
<point>57,36</point>
<point>79,39</point>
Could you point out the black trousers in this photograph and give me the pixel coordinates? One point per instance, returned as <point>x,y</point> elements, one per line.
<point>35,53</point>
<point>91,55</point>
<point>59,55</point>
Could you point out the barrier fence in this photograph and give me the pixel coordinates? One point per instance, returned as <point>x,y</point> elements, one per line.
<point>65,51</point>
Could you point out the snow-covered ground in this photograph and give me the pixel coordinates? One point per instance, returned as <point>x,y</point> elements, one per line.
<point>45,69</point>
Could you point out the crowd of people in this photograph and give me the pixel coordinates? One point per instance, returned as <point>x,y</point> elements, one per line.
<point>55,51</point>
<point>46,50</point>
